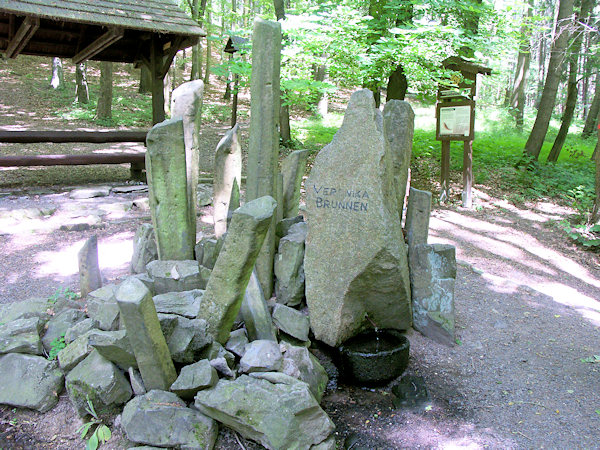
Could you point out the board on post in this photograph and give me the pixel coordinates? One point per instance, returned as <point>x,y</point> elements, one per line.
<point>455,121</point>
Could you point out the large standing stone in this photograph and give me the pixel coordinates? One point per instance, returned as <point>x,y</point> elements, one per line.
<point>162,419</point>
<point>225,290</point>
<point>228,170</point>
<point>278,415</point>
<point>432,277</point>
<point>29,381</point>
<point>175,276</point>
<point>97,379</point>
<point>255,312</point>
<point>398,129</point>
<point>417,217</point>
<point>168,191</point>
<point>144,248</point>
<point>186,103</point>
<point>292,169</point>
<point>263,147</point>
<point>145,336</point>
<point>289,266</point>
<point>22,336</point>
<point>356,264</point>
<point>90,277</point>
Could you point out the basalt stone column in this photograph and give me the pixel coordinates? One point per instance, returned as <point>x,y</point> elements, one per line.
<point>293,168</point>
<point>90,277</point>
<point>355,263</point>
<point>263,149</point>
<point>228,171</point>
<point>433,276</point>
<point>145,335</point>
<point>224,292</point>
<point>186,103</point>
<point>399,127</point>
<point>170,204</point>
<point>417,217</point>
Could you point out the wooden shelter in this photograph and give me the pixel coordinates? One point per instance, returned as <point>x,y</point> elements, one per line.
<point>146,32</point>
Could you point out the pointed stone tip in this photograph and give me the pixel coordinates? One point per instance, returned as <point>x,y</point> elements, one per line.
<point>166,127</point>
<point>132,290</point>
<point>400,108</point>
<point>260,208</point>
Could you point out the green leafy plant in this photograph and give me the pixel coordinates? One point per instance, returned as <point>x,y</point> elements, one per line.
<point>100,433</point>
<point>56,346</point>
<point>595,359</point>
<point>63,292</point>
<point>588,236</point>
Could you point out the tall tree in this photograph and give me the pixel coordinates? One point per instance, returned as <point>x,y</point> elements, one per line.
<point>198,8</point>
<point>208,46</point>
<point>581,21</point>
<point>104,107</point>
<point>517,97</point>
<point>145,80</point>
<point>82,93</point>
<point>592,115</point>
<point>562,26</point>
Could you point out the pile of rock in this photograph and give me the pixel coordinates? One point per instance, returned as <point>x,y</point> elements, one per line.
<point>162,337</point>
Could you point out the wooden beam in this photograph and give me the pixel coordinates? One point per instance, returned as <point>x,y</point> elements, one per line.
<point>29,137</point>
<point>73,160</point>
<point>22,36</point>
<point>158,80</point>
<point>169,54</point>
<point>467,199</point>
<point>104,41</point>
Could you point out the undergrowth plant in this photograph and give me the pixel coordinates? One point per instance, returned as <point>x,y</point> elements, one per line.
<point>63,293</point>
<point>100,433</point>
<point>56,346</point>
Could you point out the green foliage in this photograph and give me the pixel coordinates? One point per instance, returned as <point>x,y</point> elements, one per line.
<point>100,432</point>
<point>56,346</point>
<point>586,235</point>
<point>63,293</point>
<point>592,359</point>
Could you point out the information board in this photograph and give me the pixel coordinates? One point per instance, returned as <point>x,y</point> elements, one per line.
<point>455,121</point>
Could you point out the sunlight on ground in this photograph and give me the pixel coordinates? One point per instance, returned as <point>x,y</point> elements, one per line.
<point>528,261</point>
<point>113,253</point>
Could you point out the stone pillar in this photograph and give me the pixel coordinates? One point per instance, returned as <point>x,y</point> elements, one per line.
<point>145,336</point>
<point>432,279</point>
<point>90,277</point>
<point>355,262</point>
<point>263,149</point>
<point>225,289</point>
<point>186,103</point>
<point>168,191</point>
<point>293,168</point>
<point>255,312</point>
<point>228,170</point>
<point>399,127</point>
<point>417,217</point>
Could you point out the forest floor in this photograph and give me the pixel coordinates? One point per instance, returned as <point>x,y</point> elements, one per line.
<point>522,374</point>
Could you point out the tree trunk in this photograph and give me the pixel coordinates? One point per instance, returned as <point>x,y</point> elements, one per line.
<point>581,17</point>
<point>198,16</point>
<point>592,115</point>
<point>596,210</point>
<point>103,109</point>
<point>284,121</point>
<point>320,74</point>
<point>208,50</point>
<point>82,93</point>
<point>279,9</point>
<point>145,80</point>
<point>58,77</point>
<point>517,98</point>
<point>397,85</point>
<point>542,120</point>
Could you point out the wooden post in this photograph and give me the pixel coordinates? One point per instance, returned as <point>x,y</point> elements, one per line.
<point>158,93</point>
<point>445,172</point>
<point>467,200</point>
<point>234,104</point>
